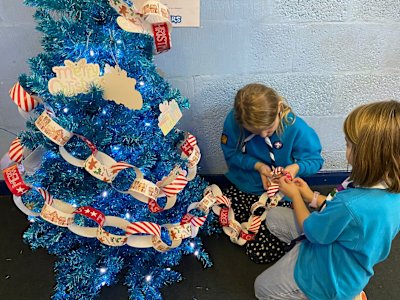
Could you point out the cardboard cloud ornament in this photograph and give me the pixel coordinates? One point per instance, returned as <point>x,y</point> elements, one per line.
<point>120,88</point>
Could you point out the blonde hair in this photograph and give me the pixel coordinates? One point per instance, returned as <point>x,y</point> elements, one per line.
<point>374,133</point>
<point>256,106</point>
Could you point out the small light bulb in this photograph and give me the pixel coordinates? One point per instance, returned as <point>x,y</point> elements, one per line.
<point>168,269</point>
<point>103,270</point>
<point>147,124</point>
<point>103,283</point>
<point>192,244</point>
<point>196,252</point>
<point>127,215</point>
<point>91,53</point>
<point>104,111</point>
<point>148,278</point>
<point>141,83</point>
<point>65,109</point>
<point>119,42</point>
<point>116,148</point>
<point>104,194</point>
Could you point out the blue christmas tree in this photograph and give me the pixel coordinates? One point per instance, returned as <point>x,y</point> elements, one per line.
<point>97,154</point>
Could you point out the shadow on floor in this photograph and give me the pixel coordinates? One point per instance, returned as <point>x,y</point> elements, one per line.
<point>25,274</point>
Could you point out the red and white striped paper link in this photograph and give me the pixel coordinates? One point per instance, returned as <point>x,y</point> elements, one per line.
<point>277,171</point>
<point>177,185</point>
<point>191,139</point>
<point>188,144</point>
<point>20,97</point>
<point>119,166</point>
<point>144,227</point>
<point>195,221</point>
<point>48,199</point>
<point>90,144</point>
<point>223,200</point>
<point>272,189</point>
<point>255,223</point>
<point>15,151</point>
<point>198,221</point>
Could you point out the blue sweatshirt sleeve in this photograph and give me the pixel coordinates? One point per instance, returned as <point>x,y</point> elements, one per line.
<point>231,148</point>
<point>326,226</point>
<point>307,149</point>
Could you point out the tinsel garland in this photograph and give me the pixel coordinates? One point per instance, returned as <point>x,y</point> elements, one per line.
<point>72,30</point>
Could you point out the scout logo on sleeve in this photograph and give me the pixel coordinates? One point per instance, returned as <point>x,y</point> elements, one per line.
<point>278,145</point>
<point>224,139</point>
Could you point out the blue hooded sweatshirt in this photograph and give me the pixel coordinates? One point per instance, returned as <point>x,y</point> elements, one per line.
<point>298,143</point>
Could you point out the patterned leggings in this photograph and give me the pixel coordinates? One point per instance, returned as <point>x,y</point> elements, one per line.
<point>266,248</point>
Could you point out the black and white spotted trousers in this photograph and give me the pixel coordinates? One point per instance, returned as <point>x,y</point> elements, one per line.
<point>265,248</point>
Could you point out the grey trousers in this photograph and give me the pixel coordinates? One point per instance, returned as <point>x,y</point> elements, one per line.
<point>277,282</point>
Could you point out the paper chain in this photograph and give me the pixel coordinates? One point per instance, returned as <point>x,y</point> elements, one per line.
<point>140,234</point>
<point>247,231</point>
<point>104,167</point>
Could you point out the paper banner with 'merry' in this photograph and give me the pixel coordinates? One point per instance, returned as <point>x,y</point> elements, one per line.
<point>78,77</point>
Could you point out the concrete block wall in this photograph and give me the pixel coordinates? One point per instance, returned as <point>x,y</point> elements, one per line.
<point>324,57</point>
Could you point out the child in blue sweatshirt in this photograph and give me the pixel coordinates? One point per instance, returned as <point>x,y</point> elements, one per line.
<point>352,232</point>
<point>260,133</point>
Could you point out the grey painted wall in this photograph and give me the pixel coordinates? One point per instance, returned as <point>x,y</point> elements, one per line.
<point>18,41</point>
<point>324,57</point>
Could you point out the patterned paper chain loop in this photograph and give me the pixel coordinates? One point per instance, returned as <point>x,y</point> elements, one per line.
<point>246,231</point>
<point>190,151</point>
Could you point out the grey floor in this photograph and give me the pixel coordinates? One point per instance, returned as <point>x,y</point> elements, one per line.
<point>25,274</point>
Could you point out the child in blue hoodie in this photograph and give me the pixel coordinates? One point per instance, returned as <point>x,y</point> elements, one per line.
<point>260,133</point>
<point>345,237</point>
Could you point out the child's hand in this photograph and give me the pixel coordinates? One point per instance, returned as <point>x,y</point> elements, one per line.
<point>305,191</point>
<point>292,169</point>
<point>265,181</point>
<point>265,173</point>
<point>289,188</point>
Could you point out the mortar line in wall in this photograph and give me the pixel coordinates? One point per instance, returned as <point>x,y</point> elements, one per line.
<point>323,116</point>
<point>338,73</point>
<point>322,22</point>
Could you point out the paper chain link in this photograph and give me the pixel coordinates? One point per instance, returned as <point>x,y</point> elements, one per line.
<point>241,233</point>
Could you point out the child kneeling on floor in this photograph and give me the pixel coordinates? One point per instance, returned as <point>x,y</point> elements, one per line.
<point>261,132</point>
<point>345,237</point>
